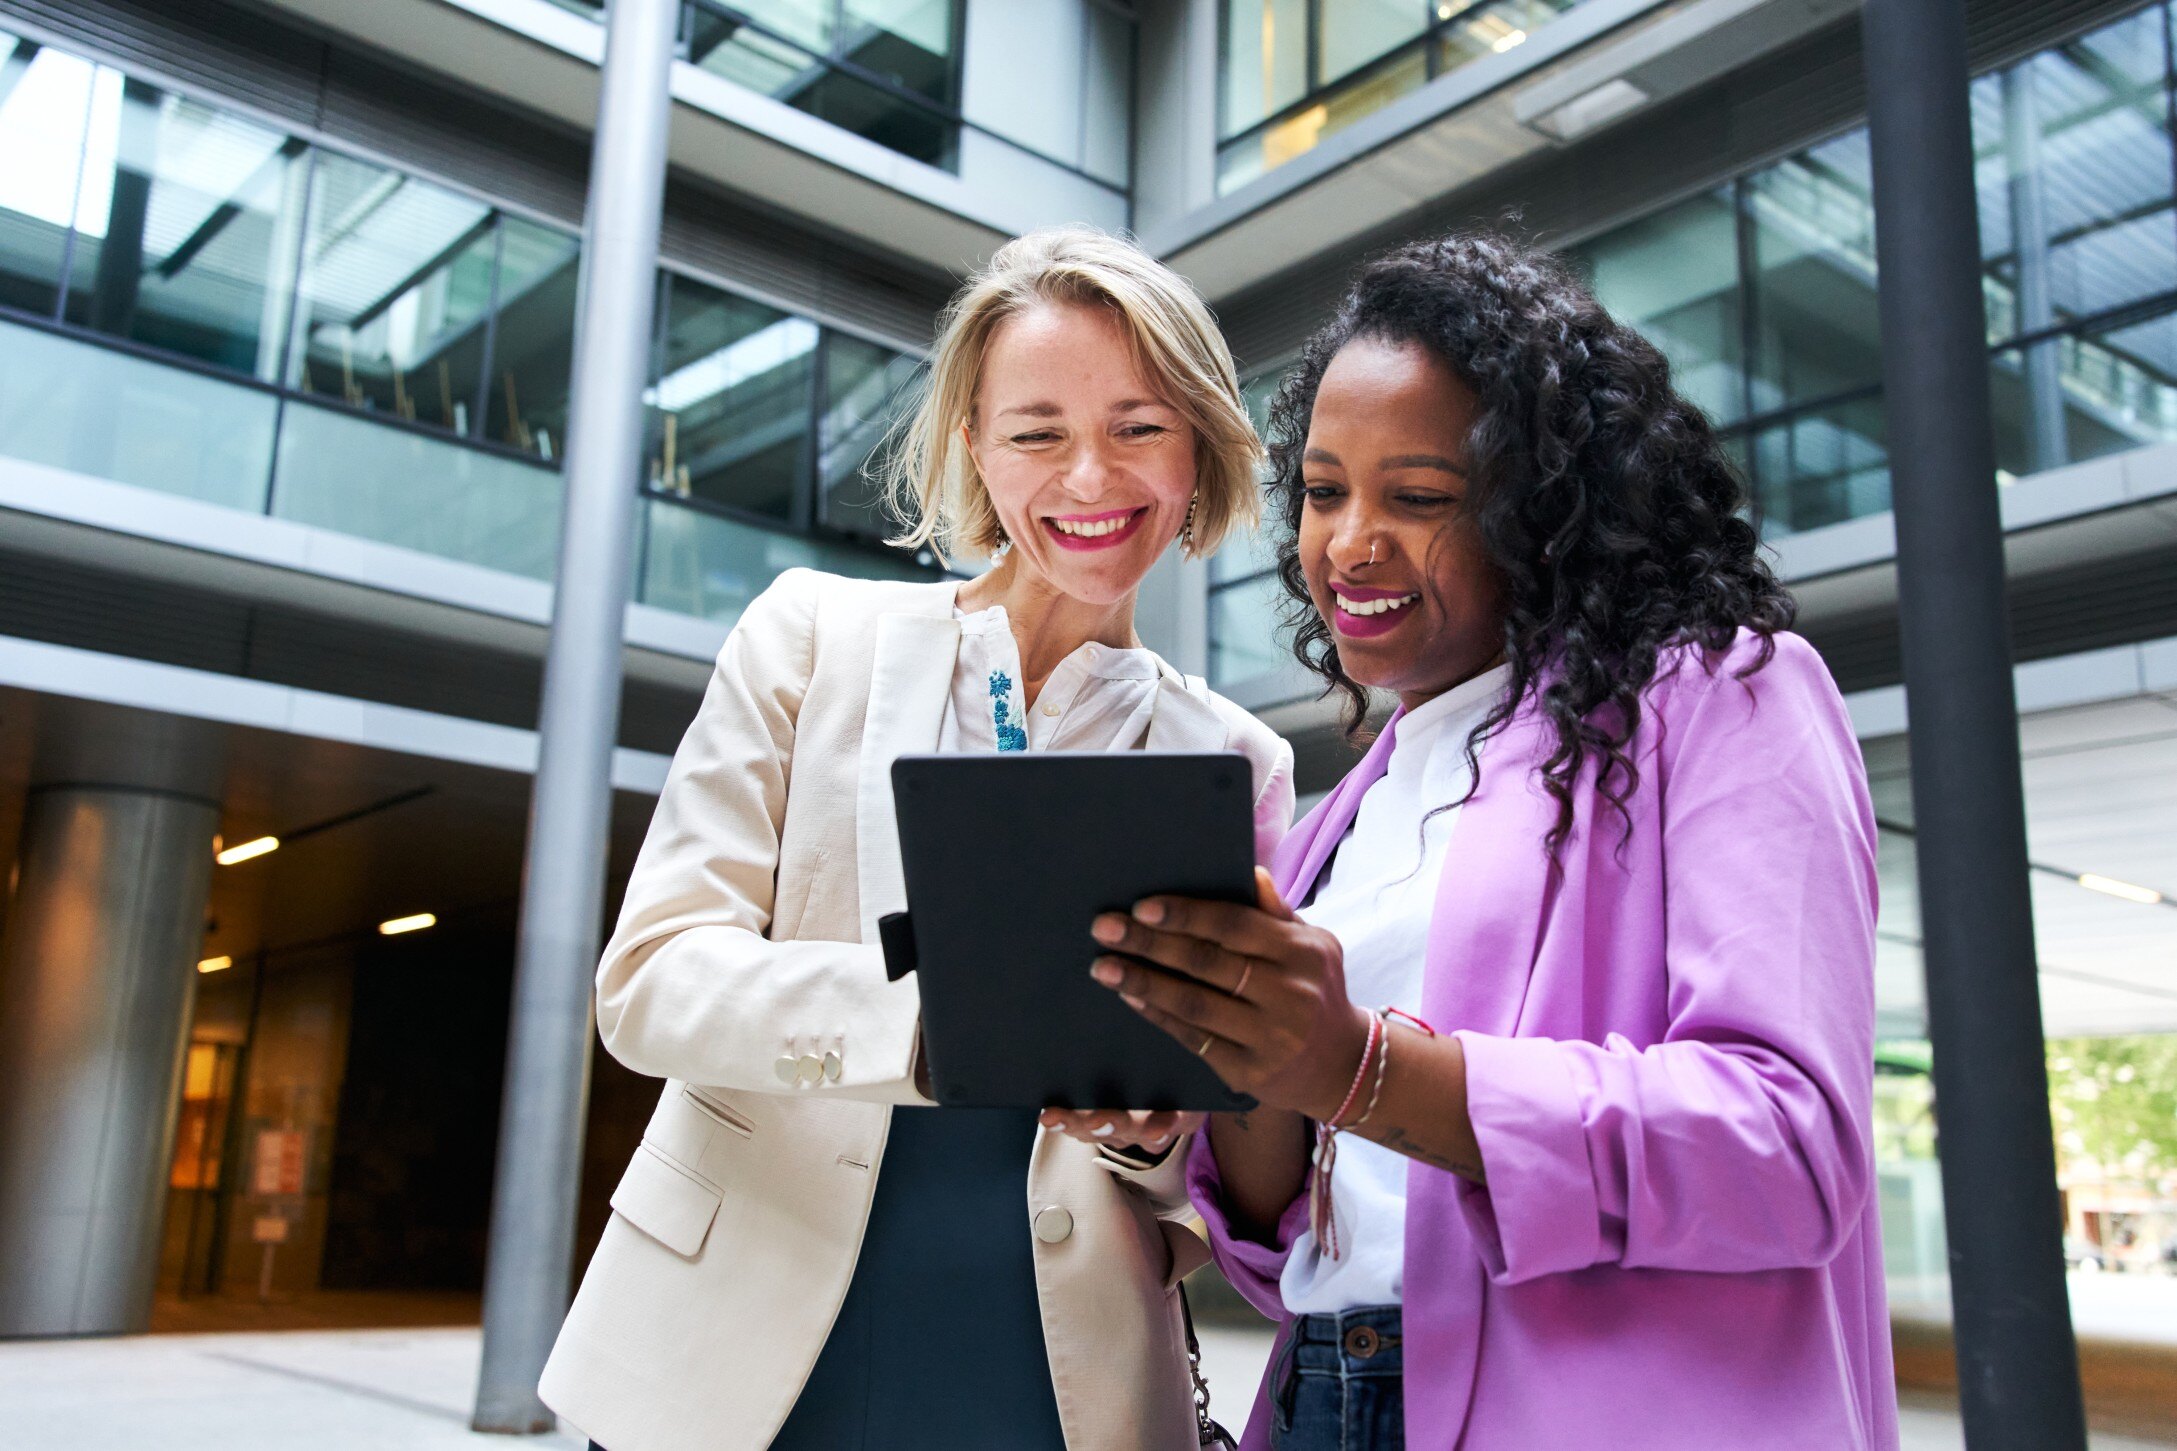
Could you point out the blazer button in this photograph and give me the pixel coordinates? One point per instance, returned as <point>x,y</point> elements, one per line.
<point>1053,1224</point>
<point>810,1070</point>
<point>787,1068</point>
<point>833,1066</point>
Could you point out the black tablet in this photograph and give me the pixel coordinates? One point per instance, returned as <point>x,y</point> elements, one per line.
<point>1008,859</point>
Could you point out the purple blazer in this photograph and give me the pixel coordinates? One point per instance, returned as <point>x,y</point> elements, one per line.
<point>1670,1055</point>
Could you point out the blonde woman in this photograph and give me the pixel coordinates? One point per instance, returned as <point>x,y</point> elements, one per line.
<point>790,1263</point>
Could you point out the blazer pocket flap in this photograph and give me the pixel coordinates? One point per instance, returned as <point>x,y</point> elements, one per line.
<point>666,1202</point>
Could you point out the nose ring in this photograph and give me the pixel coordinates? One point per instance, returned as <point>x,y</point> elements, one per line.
<point>1371,551</point>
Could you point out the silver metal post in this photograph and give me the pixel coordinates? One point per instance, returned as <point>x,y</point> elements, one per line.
<point>538,1180</point>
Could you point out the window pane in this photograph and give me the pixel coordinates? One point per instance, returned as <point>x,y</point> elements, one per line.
<point>186,232</point>
<point>1245,634</point>
<point>1823,467</point>
<point>396,289</point>
<point>885,117</point>
<point>532,343</point>
<point>2072,398</point>
<point>1355,32</point>
<point>1675,277</point>
<point>1248,552</point>
<point>865,389</point>
<point>732,401</point>
<point>1107,100</point>
<point>1491,29</point>
<point>804,81</point>
<point>1265,60</point>
<point>807,23</point>
<point>908,41</point>
<point>2075,164</point>
<point>1814,283</point>
<point>45,102</point>
<point>1357,97</point>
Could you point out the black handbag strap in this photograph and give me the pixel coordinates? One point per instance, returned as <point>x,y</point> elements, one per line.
<point>1206,1430</point>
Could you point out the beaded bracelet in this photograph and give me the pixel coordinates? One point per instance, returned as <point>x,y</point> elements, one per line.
<point>1322,1218</point>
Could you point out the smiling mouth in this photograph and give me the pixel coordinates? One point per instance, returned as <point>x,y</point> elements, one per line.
<point>1101,532</point>
<point>1368,609</point>
<point>1378,615</point>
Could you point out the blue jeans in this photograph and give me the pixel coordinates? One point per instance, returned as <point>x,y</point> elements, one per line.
<point>1340,1383</point>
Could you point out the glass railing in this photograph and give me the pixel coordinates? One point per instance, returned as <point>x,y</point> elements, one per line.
<point>355,475</point>
<point>88,409</point>
<point>108,414</point>
<point>696,562</point>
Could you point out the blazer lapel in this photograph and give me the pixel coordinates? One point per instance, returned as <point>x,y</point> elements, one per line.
<point>1496,885</point>
<point>908,688</point>
<point>1307,847</point>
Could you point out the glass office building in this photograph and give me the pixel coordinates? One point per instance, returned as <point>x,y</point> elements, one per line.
<point>287,301</point>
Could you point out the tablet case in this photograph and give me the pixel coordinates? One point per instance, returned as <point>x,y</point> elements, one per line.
<point>1008,858</point>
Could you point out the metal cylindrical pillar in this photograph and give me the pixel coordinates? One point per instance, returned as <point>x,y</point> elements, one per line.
<point>535,1192</point>
<point>97,970</point>
<point>2018,1376</point>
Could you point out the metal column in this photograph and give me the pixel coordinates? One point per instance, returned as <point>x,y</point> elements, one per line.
<point>538,1179</point>
<point>2018,1374</point>
<point>97,972</point>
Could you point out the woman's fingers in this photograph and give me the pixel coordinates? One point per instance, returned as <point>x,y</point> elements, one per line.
<point>1224,1057</point>
<point>1269,900</point>
<point>1197,957</point>
<point>1151,1129</point>
<point>1245,931</point>
<point>1208,1009</point>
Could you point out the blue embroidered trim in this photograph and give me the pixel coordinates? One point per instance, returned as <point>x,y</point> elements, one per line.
<point>1010,737</point>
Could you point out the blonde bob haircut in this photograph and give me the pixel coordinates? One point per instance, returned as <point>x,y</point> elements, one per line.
<point>930,479</point>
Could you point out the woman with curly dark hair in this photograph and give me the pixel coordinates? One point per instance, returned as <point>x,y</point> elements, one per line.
<point>1564,1054</point>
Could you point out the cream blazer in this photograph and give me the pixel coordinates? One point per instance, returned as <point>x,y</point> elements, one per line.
<point>745,971</point>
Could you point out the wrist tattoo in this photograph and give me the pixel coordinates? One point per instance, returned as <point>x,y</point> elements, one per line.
<point>1398,1140</point>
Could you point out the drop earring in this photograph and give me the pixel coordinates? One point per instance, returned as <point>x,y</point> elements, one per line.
<point>1005,542</point>
<point>1186,529</point>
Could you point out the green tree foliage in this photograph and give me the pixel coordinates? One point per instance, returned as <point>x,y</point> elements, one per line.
<point>2115,1101</point>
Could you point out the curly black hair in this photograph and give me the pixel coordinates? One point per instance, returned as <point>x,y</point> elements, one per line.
<point>1600,496</point>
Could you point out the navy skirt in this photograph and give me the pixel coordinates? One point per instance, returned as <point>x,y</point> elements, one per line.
<point>940,1341</point>
<point>939,1344</point>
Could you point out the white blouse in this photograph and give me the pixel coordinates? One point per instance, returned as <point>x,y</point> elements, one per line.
<point>1098,699</point>
<point>1377,896</point>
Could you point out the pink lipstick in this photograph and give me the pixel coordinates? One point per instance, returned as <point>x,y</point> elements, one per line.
<point>1085,532</point>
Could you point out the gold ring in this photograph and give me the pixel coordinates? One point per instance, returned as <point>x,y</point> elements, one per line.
<point>1207,1039</point>
<point>1239,989</point>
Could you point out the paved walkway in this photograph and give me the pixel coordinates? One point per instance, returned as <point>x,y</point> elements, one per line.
<point>406,1390</point>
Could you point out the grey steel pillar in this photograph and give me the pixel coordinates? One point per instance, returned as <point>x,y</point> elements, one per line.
<point>2018,1378</point>
<point>97,972</point>
<point>539,1176</point>
<point>2043,361</point>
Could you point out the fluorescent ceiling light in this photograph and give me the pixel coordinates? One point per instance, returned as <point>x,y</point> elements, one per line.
<point>1590,109</point>
<point>2111,887</point>
<point>262,846</point>
<point>215,964</point>
<point>415,923</point>
<point>1507,40</point>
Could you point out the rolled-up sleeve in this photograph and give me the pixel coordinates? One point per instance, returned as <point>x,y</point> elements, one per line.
<point>1253,1266</point>
<point>1740,1141</point>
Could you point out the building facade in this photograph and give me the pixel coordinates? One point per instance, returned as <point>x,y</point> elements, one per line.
<point>287,291</point>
